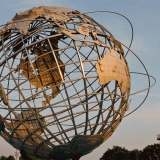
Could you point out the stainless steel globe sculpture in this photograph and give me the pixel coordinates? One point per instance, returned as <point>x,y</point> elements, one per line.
<point>64,83</point>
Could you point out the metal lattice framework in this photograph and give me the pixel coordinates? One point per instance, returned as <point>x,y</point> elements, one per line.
<point>50,83</point>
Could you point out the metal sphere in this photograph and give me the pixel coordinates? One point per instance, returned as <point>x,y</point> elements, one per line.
<point>65,83</point>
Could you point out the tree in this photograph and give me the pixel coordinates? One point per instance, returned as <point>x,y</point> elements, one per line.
<point>31,157</point>
<point>10,158</point>
<point>117,153</point>
<point>7,158</point>
<point>151,152</point>
<point>135,155</point>
<point>3,158</point>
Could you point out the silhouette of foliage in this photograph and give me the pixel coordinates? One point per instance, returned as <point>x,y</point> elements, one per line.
<point>151,152</point>
<point>10,158</point>
<point>7,158</point>
<point>3,158</point>
<point>31,157</point>
<point>135,155</point>
<point>116,153</point>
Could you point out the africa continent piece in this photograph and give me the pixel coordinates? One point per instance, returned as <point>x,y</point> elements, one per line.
<point>43,70</point>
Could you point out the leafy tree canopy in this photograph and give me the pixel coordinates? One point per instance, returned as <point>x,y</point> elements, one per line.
<point>151,152</point>
<point>10,158</point>
<point>7,158</point>
<point>3,158</point>
<point>31,157</point>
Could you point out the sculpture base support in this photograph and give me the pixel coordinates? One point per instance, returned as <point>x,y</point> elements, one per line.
<point>24,155</point>
<point>77,157</point>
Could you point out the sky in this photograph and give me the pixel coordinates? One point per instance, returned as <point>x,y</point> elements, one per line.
<point>140,128</point>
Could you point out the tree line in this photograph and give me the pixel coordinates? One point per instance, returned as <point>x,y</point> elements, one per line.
<point>31,158</point>
<point>151,152</point>
<point>20,158</point>
<point>7,158</point>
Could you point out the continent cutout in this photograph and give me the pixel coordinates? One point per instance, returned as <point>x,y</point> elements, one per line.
<point>114,67</point>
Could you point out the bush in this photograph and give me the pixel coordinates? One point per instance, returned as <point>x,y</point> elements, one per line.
<point>151,152</point>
